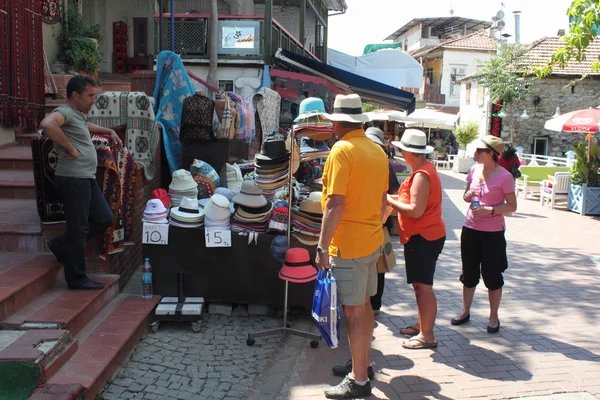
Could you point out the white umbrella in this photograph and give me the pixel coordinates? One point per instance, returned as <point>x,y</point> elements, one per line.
<point>377,116</point>
<point>578,121</point>
<point>426,118</point>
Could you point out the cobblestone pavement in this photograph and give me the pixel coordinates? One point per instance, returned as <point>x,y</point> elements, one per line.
<point>548,342</point>
<point>176,363</point>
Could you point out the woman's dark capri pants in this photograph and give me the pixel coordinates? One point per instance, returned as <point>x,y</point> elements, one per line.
<point>483,253</point>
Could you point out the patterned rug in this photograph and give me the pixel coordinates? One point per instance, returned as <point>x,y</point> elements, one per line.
<point>135,109</point>
<point>50,208</point>
<point>121,182</point>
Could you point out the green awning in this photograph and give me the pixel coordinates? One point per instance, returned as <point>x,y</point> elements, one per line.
<point>372,48</point>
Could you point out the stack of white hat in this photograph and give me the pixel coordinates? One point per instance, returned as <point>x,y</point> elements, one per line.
<point>188,214</point>
<point>155,212</point>
<point>182,185</point>
<point>217,212</point>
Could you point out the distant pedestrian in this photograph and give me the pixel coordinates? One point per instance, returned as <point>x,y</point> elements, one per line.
<point>422,231</point>
<point>376,135</point>
<point>491,192</point>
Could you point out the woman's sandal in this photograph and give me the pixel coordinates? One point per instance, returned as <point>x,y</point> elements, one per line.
<point>421,343</point>
<point>410,331</point>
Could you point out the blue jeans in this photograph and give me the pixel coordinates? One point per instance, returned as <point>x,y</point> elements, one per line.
<point>87,214</point>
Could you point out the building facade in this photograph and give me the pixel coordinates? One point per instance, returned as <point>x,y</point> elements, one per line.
<point>561,92</point>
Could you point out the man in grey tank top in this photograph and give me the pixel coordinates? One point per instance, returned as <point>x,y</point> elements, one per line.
<point>87,213</point>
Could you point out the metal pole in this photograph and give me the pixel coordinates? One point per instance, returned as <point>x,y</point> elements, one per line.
<point>173,26</point>
<point>268,24</point>
<point>302,24</point>
<point>291,187</point>
<point>160,25</point>
<point>285,301</point>
<point>151,28</point>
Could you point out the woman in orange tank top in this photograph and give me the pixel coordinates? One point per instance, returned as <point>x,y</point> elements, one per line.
<point>422,232</point>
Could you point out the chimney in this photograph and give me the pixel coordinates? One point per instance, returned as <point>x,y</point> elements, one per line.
<point>561,33</point>
<point>517,26</point>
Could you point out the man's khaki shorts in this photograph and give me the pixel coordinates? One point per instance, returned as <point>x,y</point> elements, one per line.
<point>356,278</point>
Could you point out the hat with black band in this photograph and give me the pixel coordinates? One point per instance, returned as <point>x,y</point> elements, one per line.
<point>414,141</point>
<point>348,109</point>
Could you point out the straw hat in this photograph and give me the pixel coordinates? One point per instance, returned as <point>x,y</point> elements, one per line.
<point>376,135</point>
<point>188,211</point>
<point>250,195</point>
<point>414,141</point>
<point>349,109</point>
<point>309,107</point>
<point>217,208</point>
<point>182,181</point>
<point>492,143</point>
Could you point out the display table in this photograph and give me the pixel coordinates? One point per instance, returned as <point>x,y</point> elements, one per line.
<point>243,273</point>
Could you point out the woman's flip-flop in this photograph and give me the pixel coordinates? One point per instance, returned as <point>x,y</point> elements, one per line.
<point>410,331</point>
<point>421,343</point>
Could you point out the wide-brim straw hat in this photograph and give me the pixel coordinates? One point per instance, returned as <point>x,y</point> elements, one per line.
<point>414,141</point>
<point>492,143</point>
<point>376,135</point>
<point>306,239</point>
<point>182,181</point>
<point>349,109</point>
<point>188,211</point>
<point>250,195</point>
<point>217,208</point>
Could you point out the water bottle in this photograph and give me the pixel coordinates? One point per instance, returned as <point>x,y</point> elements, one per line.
<point>147,291</point>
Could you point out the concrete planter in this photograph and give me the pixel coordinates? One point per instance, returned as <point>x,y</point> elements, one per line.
<point>463,165</point>
<point>584,200</point>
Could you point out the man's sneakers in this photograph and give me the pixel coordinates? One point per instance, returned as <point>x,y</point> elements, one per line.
<point>343,370</point>
<point>87,284</point>
<point>348,389</point>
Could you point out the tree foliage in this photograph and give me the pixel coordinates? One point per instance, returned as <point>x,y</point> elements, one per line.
<point>583,29</point>
<point>368,107</point>
<point>78,52</point>
<point>506,74</point>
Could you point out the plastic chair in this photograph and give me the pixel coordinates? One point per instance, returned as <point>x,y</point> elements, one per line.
<point>558,190</point>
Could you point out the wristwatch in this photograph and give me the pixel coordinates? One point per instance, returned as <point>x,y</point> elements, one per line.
<point>321,250</point>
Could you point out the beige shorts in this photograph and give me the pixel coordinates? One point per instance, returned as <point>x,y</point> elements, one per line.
<point>356,278</point>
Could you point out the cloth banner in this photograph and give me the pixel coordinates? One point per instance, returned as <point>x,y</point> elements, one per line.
<point>325,308</point>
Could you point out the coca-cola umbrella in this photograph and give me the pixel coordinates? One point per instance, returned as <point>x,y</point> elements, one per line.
<point>579,121</point>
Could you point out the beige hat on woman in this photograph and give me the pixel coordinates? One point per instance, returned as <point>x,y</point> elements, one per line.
<point>493,143</point>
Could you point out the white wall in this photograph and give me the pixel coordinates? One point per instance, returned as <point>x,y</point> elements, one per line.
<point>412,38</point>
<point>469,60</point>
<point>290,19</point>
<point>50,39</point>
<point>478,107</point>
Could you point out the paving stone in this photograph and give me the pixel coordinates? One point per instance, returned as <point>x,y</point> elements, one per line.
<point>217,308</point>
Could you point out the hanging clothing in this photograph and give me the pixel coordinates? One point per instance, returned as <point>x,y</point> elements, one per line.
<point>172,86</point>
<point>197,118</point>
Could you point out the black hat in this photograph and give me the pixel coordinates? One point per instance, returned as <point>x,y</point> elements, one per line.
<point>273,149</point>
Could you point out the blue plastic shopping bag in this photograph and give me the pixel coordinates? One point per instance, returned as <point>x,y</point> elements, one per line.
<point>325,308</point>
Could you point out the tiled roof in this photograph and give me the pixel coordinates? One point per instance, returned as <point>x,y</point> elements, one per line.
<point>480,41</point>
<point>541,51</point>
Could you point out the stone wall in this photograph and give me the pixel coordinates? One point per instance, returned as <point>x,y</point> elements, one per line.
<point>553,92</point>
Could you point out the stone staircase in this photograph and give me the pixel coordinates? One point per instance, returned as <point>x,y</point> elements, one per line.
<point>77,338</point>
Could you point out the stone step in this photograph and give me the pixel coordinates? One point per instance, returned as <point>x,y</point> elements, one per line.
<point>20,228</point>
<point>16,158</point>
<point>24,277</point>
<point>48,348</point>
<point>61,308</point>
<point>17,184</point>
<point>24,139</point>
<point>104,343</point>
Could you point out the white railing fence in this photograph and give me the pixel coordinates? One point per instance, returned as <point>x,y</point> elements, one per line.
<point>548,161</point>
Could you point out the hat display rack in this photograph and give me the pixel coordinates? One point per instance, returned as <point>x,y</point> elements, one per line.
<point>310,117</point>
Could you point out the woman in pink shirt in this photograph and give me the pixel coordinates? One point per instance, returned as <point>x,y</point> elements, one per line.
<point>491,192</point>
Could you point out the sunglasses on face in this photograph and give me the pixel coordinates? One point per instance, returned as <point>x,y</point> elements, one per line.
<point>483,151</point>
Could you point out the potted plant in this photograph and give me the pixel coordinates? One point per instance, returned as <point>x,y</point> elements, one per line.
<point>80,45</point>
<point>584,191</point>
<point>465,133</point>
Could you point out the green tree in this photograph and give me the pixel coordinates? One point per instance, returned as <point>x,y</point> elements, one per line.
<point>368,107</point>
<point>505,75</point>
<point>583,29</point>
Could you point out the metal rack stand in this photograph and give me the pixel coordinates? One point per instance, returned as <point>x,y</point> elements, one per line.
<point>285,329</point>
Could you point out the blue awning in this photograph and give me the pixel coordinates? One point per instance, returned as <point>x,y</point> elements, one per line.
<point>369,90</point>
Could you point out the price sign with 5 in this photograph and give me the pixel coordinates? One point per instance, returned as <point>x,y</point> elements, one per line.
<point>216,237</point>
